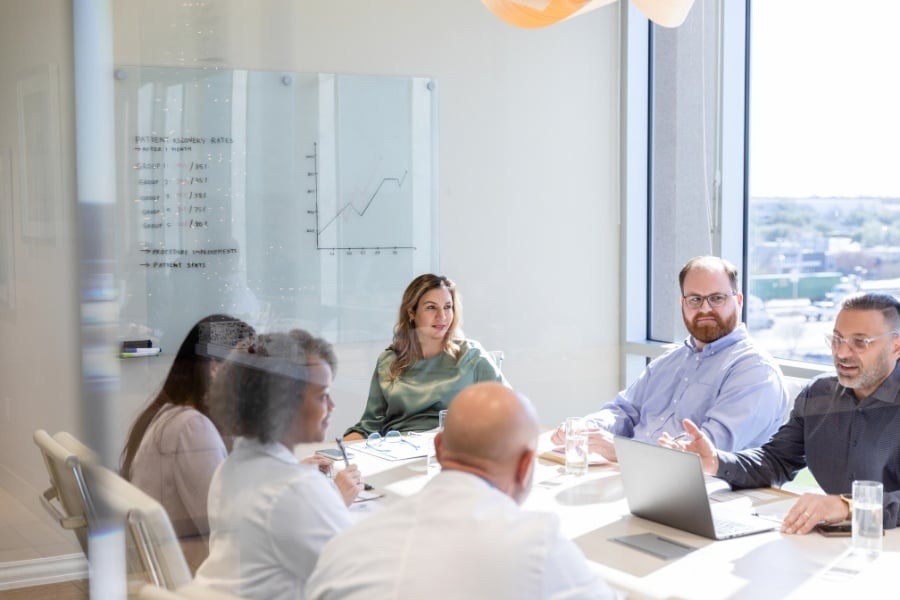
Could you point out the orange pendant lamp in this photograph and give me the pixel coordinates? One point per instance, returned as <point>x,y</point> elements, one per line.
<point>531,14</point>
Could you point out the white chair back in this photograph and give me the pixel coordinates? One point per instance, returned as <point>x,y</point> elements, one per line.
<point>153,552</point>
<point>68,499</point>
<point>497,357</point>
<point>89,498</point>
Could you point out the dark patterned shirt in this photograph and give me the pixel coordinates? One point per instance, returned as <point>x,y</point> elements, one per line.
<point>837,437</point>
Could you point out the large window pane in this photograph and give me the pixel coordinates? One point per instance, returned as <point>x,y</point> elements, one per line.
<point>824,196</point>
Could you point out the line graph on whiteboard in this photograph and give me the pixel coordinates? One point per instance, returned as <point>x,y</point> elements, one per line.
<point>361,211</point>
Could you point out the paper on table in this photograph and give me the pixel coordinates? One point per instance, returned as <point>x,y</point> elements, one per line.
<point>558,455</point>
<point>775,511</point>
<point>368,495</point>
<point>400,450</point>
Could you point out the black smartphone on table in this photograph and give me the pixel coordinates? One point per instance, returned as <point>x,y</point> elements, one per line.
<point>834,529</point>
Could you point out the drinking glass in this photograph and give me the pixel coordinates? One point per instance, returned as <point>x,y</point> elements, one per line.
<point>576,446</point>
<point>432,461</point>
<point>867,522</point>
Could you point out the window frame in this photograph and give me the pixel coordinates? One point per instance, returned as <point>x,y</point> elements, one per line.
<point>731,185</point>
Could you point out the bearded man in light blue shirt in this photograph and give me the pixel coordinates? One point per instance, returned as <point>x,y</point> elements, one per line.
<point>719,378</point>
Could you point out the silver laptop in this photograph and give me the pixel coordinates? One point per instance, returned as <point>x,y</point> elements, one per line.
<point>668,486</point>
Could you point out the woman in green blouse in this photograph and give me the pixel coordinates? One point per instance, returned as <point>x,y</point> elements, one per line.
<point>426,364</point>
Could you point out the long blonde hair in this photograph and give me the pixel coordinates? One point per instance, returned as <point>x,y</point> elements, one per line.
<point>406,345</point>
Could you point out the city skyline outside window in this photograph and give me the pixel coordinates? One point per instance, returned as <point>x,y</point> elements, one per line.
<point>824,197</point>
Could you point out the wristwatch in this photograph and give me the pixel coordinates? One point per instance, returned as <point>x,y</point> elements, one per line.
<point>848,499</point>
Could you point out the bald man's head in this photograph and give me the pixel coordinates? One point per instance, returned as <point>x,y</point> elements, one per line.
<point>488,430</point>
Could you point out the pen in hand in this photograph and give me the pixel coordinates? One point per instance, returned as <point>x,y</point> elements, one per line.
<point>340,445</point>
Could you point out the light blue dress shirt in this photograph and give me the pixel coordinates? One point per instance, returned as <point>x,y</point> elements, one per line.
<point>731,388</point>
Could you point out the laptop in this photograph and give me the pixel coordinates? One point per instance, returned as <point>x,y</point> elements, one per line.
<point>668,486</point>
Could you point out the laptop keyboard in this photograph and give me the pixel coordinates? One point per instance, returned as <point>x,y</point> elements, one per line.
<point>726,528</point>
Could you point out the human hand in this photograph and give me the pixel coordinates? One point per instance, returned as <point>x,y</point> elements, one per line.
<point>601,442</point>
<point>323,462</point>
<point>812,509</point>
<point>349,483</point>
<point>354,437</point>
<point>693,440</point>
<point>559,436</point>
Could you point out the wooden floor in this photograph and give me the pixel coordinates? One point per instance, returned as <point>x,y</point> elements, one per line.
<point>69,590</point>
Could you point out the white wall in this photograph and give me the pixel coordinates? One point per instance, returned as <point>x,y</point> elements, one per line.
<point>39,356</point>
<point>527,163</point>
<point>528,183</point>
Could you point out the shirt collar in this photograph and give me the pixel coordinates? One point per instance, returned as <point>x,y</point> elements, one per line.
<point>738,334</point>
<point>889,389</point>
<point>276,450</point>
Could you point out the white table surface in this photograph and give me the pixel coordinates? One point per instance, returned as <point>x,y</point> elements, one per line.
<point>592,510</point>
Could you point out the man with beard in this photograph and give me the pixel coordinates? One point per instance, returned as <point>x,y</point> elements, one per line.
<point>844,426</point>
<point>718,378</point>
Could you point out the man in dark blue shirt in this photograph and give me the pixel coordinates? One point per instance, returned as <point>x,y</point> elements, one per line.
<point>844,426</point>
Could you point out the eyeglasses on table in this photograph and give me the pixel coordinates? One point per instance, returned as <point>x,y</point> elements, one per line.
<point>381,443</point>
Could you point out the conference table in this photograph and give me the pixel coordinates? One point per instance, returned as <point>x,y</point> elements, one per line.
<point>592,511</point>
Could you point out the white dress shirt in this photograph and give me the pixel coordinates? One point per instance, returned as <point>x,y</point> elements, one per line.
<point>269,516</point>
<point>458,538</point>
<point>175,462</point>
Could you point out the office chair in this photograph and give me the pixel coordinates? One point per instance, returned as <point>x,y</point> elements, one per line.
<point>497,357</point>
<point>68,499</point>
<point>94,499</point>
<point>152,550</point>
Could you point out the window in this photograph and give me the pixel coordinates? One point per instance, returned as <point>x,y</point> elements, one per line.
<point>683,171</point>
<point>824,198</point>
<point>767,139</point>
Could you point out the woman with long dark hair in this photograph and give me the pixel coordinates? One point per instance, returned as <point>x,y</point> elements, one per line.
<point>174,446</point>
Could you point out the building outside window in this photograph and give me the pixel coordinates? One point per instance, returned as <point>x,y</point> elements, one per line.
<point>771,141</point>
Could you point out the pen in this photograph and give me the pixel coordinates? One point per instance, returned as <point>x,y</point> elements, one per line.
<point>681,436</point>
<point>340,445</point>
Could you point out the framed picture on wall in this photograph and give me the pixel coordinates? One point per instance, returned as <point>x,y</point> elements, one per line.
<point>7,262</point>
<point>37,92</point>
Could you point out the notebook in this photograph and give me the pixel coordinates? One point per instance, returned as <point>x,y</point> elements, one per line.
<point>668,486</point>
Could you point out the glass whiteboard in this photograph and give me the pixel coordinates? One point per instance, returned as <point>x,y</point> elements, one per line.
<point>285,199</point>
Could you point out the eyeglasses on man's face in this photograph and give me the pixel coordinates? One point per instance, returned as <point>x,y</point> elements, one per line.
<point>695,301</point>
<point>379,442</point>
<point>856,344</point>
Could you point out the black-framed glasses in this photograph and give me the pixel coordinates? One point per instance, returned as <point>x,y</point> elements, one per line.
<point>379,442</point>
<point>856,344</point>
<point>714,300</point>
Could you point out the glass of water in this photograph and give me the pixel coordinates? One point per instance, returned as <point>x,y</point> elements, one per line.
<point>868,499</point>
<point>576,446</point>
<point>432,463</point>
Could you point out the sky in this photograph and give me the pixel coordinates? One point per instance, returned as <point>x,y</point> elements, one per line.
<point>825,98</point>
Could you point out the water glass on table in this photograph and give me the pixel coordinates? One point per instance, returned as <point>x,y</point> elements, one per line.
<point>432,461</point>
<point>868,507</point>
<point>576,446</point>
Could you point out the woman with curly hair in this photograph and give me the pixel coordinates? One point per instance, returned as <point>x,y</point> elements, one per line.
<point>270,514</point>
